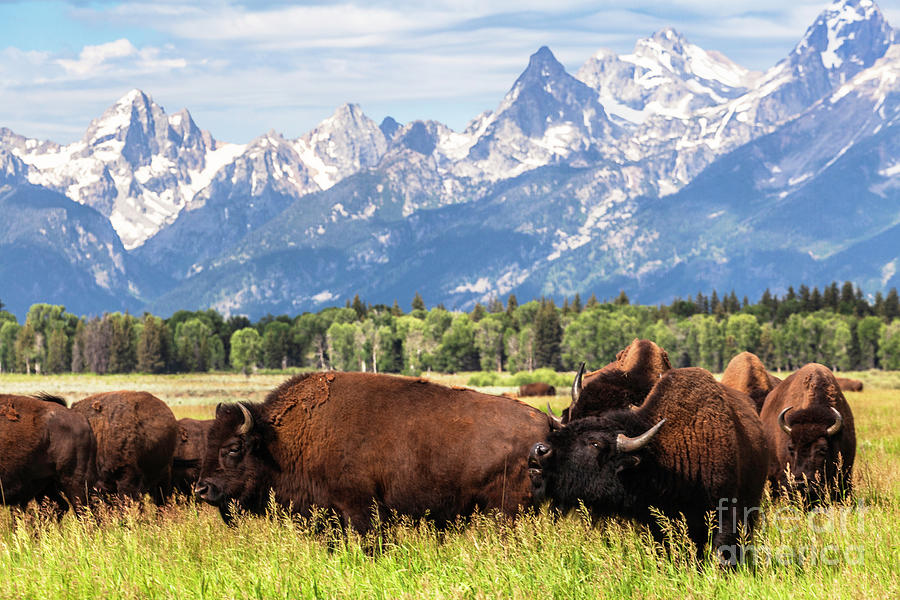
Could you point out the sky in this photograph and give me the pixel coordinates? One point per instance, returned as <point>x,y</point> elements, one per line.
<point>244,68</point>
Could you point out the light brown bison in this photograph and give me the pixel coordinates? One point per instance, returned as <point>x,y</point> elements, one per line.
<point>692,447</point>
<point>622,383</point>
<point>810,429</point>
<point>46,452</point>
<point>538,388</point>
<point>347,442</point>
<point>190,447</point>
<point>135,433</point>
<point>746,373</point>
<point>849,385</point>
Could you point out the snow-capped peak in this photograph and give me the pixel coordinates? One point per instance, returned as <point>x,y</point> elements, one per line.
<point>848,35</point>
<point>664,75</point>
<point>342,144</point>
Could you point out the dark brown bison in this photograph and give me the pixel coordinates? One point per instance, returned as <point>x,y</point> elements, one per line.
<point>849,385</point>
<point>810,429</point>
<point>46,452</point>
<point>746,373</point>
<point>348,442</point>
<point>622,383</point>
<point>692,447</point>
<point>135,433</point>
<point>537,389</point>
<point>190,447</point>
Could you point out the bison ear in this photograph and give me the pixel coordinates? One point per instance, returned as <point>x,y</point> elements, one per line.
<point>220,409</point>
<point>665,356</point>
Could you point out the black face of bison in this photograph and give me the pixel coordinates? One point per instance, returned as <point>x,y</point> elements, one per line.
<point>237,465</point>
<point>813,444</point>
<point>590,461</point>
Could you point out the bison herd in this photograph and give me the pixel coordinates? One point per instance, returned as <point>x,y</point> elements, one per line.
<point>639,438</point>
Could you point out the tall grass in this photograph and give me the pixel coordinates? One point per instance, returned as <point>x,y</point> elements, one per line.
<point>185,551</point>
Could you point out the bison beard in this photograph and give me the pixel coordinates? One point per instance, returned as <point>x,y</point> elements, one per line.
<point>348,442</point>
<point>691,445</point>
<point>811,432</point>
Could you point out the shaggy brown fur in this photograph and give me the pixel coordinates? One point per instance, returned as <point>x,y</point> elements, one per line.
<point>537,389</point>
<point>350,441</point>
<point>190,447</point>
<point>46,451</point>
<point>622,383</point>
<point>710,454</point>
<point>746,373</point>
<point>808,451</point>
<point>849,385</point>
<point>135,433</point>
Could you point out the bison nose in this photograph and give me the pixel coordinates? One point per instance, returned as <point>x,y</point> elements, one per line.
<point>207,491</point>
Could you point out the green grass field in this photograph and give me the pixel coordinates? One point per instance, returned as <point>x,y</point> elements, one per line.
<point>185,551</point>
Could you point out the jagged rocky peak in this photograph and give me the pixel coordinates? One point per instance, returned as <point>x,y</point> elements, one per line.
<point>12,170</point>
<point>666,75</point>
<point>342,144</point>
<point>389,127</point>
<point>847,37</point>
<point>137,128</point>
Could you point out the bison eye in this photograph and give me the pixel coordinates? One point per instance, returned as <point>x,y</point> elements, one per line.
<point>597,445</point>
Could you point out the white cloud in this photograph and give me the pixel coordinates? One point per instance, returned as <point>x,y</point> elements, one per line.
<point>243,68</point>
<point>93,57</point>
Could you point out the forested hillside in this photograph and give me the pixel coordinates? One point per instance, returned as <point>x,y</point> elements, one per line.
<point>836,326</point>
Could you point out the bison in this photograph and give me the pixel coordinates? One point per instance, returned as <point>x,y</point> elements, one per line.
<point>348,442</point>
<point>135,433</point>
<point>810,429</point>
<point>190,447</point>
<point>622,383</point>
<point>746,373</point>
<point>692,447</point>
<point>537,389</point>
<point>47,452</point>
<point>849,385</point>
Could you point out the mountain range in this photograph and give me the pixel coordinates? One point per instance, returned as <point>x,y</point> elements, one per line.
<point>661,172</point>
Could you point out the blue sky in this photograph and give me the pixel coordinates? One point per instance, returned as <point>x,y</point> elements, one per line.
<point>242,68</point>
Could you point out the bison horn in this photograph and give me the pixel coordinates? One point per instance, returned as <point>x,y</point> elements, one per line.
<point>628,444</point>
<point>247,425</point>
<point>576,385</point>
<point>781,423</point>
<point>838,423</point>
<point>554,421</point>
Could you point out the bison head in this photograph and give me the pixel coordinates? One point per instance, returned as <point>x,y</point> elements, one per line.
<point>591,460</point>
<point>237,466</point>
<point>811,445</point>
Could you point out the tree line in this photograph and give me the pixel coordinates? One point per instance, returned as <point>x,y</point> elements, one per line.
<point>836,326</point>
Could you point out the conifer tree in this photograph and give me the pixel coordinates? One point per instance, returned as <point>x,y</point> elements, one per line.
<point>417,302</point>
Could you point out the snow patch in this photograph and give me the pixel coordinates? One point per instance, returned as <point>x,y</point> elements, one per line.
<point>479,287</point>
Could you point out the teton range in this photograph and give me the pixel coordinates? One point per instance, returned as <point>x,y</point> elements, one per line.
<point>664,171</point>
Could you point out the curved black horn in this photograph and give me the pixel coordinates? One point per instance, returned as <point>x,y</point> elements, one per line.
<point>247,425</point>
<point>628,444</point>
<point>554,421</point>
<point>838,423</point>
<point>576,385</point>
<point>781,423</point>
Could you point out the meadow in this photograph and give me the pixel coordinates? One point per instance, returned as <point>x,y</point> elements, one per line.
<point>183,550</point>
